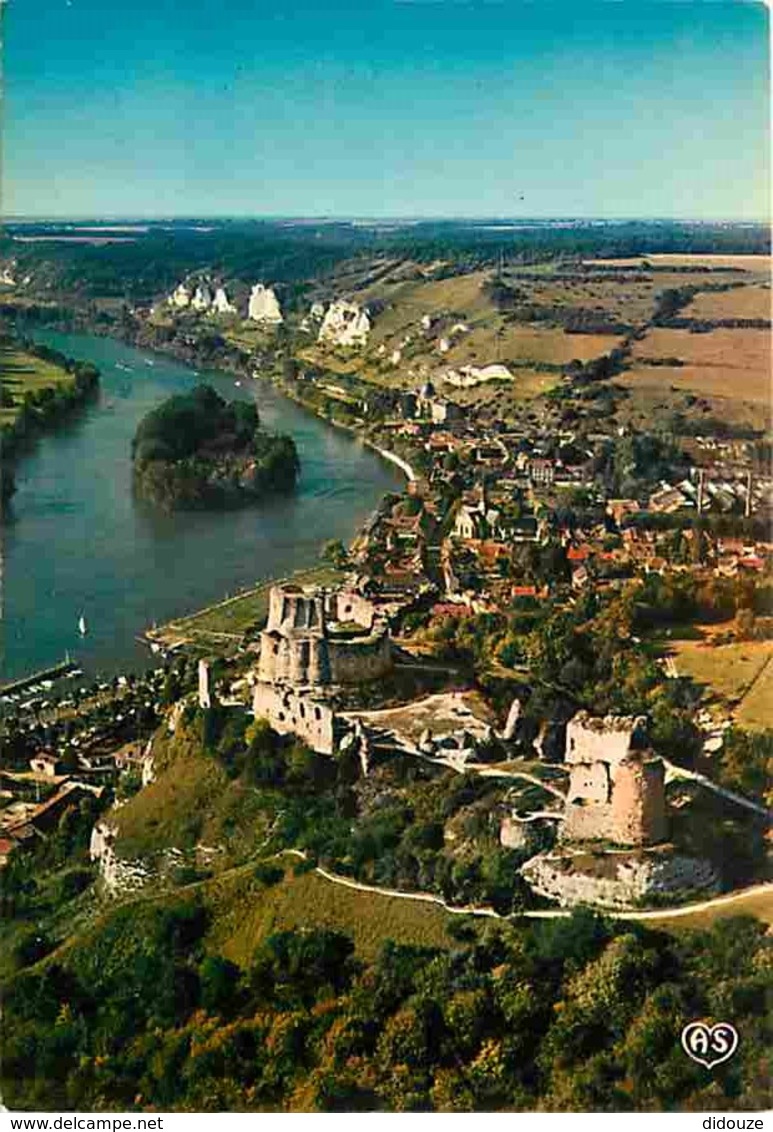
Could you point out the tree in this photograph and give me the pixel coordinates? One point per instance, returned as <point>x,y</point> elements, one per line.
<point>334,553</point>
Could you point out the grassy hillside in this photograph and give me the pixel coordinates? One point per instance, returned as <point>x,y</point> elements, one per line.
<point>24,373</point>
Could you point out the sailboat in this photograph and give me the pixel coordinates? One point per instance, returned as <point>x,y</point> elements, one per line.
<point>82,626</point>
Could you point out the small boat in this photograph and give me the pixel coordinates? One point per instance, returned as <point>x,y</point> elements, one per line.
<point>82,626</point>
<point>149,362</point>
<point>237,383</point>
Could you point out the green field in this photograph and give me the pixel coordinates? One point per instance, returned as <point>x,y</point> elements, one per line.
<point>24,373</point>
<point>756,710</point>
<point>244,912</point>
<point>727,670</point>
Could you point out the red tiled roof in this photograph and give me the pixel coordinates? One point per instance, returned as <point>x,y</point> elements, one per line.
<point>451,609</point>
<point>578,553</point>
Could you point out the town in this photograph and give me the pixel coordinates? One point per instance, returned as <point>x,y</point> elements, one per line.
<point>512,605</point>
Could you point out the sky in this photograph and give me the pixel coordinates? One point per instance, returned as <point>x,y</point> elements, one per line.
<point>386,108</point>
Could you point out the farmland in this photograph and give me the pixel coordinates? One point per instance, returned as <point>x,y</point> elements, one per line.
<point>727,670</point>
<point>730,368</point>
<point>739,675</point>
<point>757,264</point>
<point>24,373</point>
<point>747,350</point>
<point>740,302</point>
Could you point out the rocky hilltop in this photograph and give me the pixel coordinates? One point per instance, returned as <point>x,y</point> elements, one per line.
<point>196,450</point>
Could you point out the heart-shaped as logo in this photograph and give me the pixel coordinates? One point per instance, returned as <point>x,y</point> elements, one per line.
<point>709,1045</point>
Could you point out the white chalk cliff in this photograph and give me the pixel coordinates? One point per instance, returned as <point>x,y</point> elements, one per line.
<point>202,298</point>
<point>345,324</point>
<point>221,304</point>
<point>264,306</point>
<point>180,297</point>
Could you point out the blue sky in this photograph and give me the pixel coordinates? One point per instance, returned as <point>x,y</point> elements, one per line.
<point>386,108</point>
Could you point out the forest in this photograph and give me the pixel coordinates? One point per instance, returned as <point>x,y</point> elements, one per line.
<point>197,450</point>
<point>578,1014</point>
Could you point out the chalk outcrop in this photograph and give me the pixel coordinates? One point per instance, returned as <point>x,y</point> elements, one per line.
<point>202,298</point>
<point>620,880</point>
<point>221,304</point>
<point>467,377</point>
<point>345,324</point>
<point>119,876</point>
<point>264,306</point>
<point>180,297</point>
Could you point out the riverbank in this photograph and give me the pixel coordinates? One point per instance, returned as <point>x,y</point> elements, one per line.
<point>41,389</point>
<point>309,405</point>
<point>225,622</point>
<point>81,534</point>
<point>230,361</point>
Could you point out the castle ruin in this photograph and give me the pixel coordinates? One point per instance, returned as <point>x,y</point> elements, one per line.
<point>315,641</point>
<point>616,785</point>
<point>321,637</point>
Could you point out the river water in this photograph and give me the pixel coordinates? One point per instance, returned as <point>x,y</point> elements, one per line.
<point>77,543</point>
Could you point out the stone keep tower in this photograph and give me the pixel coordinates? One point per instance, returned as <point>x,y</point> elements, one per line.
<point>616,785</point>
<point>315,638</point>
<point>293,646</point>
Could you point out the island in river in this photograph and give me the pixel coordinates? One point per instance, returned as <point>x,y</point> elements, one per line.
<point>197,450</point>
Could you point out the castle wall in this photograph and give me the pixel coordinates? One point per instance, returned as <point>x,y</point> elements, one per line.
<point>297,647</point>
<point>348,605</point>
<point>590,781</point>
<point>293,659</point>
<point>590,739</point>
<point>290,608</point>
<point>623,802</point>
<point>294,713</point>
<point>638,802</point>
<point>361,659</point>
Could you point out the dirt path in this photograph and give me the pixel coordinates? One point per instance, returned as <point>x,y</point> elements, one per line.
<point>673,771</point>
<point>729,900</point>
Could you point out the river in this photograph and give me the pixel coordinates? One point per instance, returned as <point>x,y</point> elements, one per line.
<point>76,542</point>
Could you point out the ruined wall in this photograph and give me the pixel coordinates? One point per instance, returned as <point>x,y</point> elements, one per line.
<point>364,658</point>
<point>295,713</point>
<point>608,738</point>
<point>622,802</point>
<point>296,647</point>
<point>348,605</point>
<point>638,814</point>
<point>205,696</point>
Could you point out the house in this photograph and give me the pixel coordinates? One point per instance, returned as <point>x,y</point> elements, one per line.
<point>443,411</point>
<point>541,472</point>
<point>470,522</point>
<point>620,509</point>
<point>668,499</point>
<point>46,763</point>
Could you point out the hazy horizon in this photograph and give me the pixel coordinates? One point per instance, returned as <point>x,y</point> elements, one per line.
<point>639,109</point>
